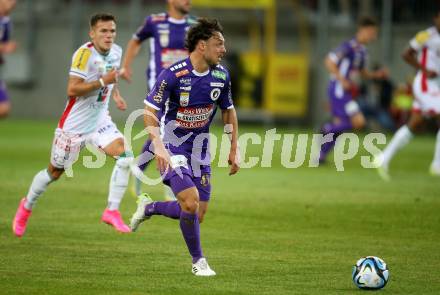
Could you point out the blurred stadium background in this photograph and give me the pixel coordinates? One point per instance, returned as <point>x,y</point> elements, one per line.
<point>275,50</point>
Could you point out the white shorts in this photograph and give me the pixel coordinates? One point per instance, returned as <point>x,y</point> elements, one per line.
<point>426,96</point>
<point>67,146</point>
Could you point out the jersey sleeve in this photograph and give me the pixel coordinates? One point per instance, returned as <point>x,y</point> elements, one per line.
<point>145,31</point>
<point>80,62</point>
<point>161,90</point>
<point>225,99</point>
<point>419,41</point>
<point>342,51</point>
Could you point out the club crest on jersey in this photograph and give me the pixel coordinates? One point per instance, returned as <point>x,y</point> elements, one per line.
<point>164,38</point>
<point>215,93</point>
<point>184,99</point>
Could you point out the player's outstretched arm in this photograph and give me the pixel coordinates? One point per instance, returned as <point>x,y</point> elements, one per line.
<point>132,50</point>
<point>152,125</point>
<point>229,117</point>
<point>77,86</point>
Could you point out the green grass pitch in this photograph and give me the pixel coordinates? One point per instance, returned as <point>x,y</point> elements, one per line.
<point>268,230</point>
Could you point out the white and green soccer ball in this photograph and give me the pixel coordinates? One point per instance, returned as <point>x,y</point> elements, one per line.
<point>371,273</point>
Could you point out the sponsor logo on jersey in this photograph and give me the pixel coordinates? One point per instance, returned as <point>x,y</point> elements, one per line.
<point>184,99</point>
<point>81,59</point>
<point>193,117</point>
<point>186,88</point>
<point>217,84</point>
<point>178,66</point>
<point>219,75</point>
<point>163,26</point>
<point>182,73</point>
<point>159,94</point>
<point>185,81</point>
<point>215,93</point>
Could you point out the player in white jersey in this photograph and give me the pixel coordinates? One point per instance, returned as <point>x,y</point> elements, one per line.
<point>423,55</point>
<point>92,81</point>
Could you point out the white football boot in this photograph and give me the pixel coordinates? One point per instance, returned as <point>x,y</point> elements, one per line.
<point>382,169</point>
<point>201,268</point>
<point>139,216</point>
<point>434,170</point>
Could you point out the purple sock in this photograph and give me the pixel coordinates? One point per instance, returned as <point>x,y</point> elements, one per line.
<point>146,155</point>
<point>337,129</point>
<point>189,224</point>
<point>168,209</point>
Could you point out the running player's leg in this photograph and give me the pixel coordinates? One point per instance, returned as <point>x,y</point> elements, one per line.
<point>65,151</point>
<point>111,141</point>
<point>5,105</point>
<point>435,165</point>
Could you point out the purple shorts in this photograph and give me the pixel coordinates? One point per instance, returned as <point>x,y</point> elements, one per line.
<point>184,177</point>
<point>4,97</point>
<point>341,102</point>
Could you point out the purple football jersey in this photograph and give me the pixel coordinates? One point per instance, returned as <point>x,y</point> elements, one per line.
<point>189,101</point>
<point>350,57</point>
<point>167,42</point>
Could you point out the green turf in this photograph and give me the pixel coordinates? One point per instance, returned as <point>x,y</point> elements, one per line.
<point>268,230</point>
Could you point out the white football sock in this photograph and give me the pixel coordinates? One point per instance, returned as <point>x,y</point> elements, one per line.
<point>436,160</point>
<point>41,180</point>
<point>119,182</point>
<point>399,140</point>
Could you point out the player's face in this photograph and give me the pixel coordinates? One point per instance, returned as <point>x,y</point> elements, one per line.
<point>214,49</point>
<point>368,34</point>
<point>103,35</point>
<point>182,6</point>
<point>7,5</point>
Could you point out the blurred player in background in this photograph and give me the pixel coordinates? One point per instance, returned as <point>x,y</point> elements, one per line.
<point>190,91</point>
<point>92,81</point>
<point>345,64</point>
<point>7,46</point>
<point>423,54</point>
<point>166,33</point>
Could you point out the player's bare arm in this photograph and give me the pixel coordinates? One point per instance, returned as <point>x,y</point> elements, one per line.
<point>152,124</point>
<point>410,57</point>
<point>78,87</point>
<point>229,117</point>
<point>332,67</point>
<point>121,104</point>
<point>131,52</point>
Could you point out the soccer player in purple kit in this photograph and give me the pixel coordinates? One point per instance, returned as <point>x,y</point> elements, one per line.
<point>7,46</point>
<point>166,32</point>
<point>189,93</point>
<point>344,64</point>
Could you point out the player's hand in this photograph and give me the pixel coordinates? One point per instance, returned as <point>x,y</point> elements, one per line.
<point>126,74</point>
<point>120,103</point>
<point>111,77</point>
<point>9,47</point>
<point>162,158</point>
<point>430,74</point>
<point>234,160</point>
<point>346,84</point>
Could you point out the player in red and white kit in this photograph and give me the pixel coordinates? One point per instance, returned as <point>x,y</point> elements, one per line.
<point>92,81</point>
<point>424,55</point>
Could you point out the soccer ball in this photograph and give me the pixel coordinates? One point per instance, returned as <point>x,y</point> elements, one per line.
<point>370,272</point>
